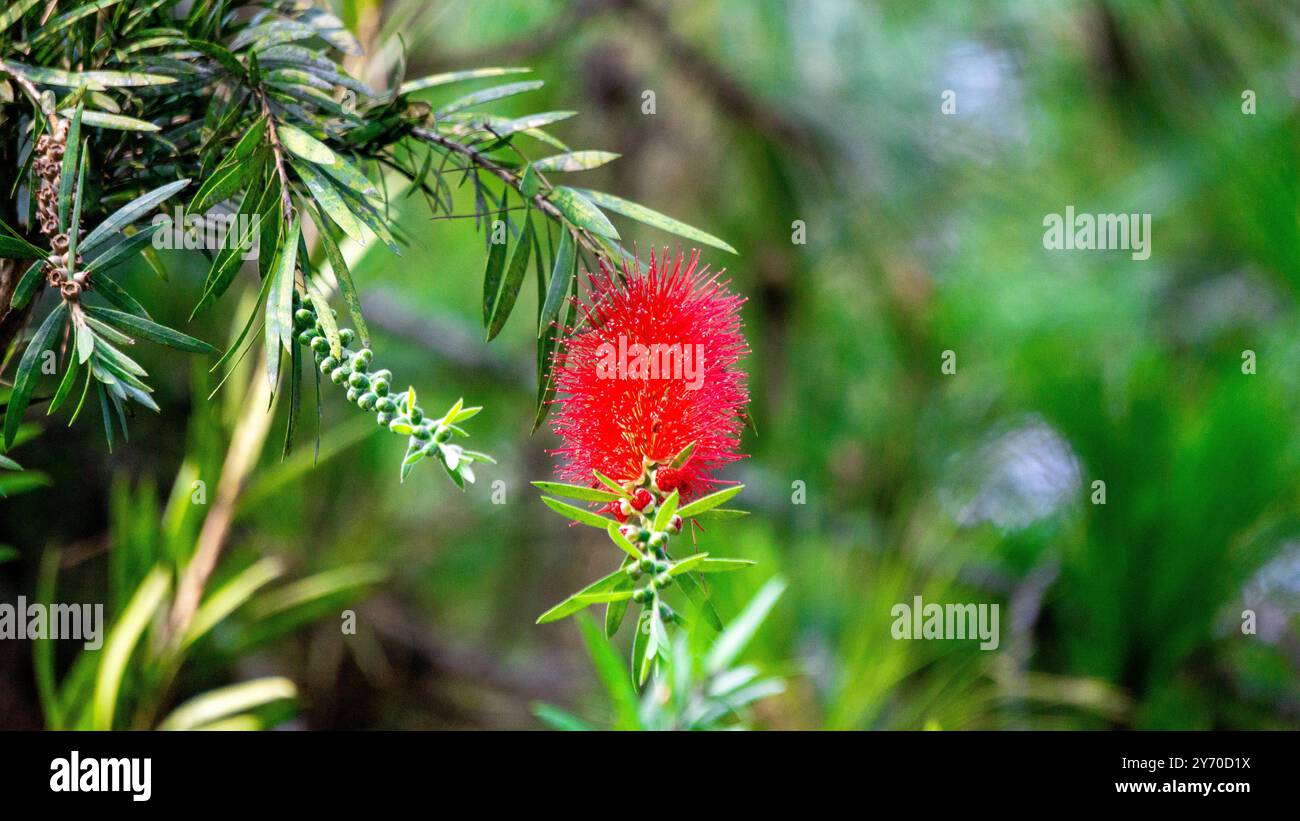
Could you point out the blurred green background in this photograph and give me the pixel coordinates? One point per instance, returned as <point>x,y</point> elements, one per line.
<point>874,476</point>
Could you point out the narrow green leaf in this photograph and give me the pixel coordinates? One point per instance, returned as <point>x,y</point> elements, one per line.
<point>116,122</point>
<point>28,284</point>
<point>687,564</point>
<point>223,702</point>
<point>223,184</point>
<point>665,512</point>
<point>12,248</point>
<point>737,634</point>
<point>128,213</point>
<point>581,211</point>
<point>122,639</point>
<point>330,201</point>
<point>503,301</point>
<point>150,330</point>
<point>576,514</point>
<point>488,95</point>
<point>653,218</point>
<point>709,502</point>
<point>561,279</point>
<point>25,377</point>
<point>492,274</point>
<point>575,161</point>
<point>699,596</point>
<point>571,605</point>
<point>586,494</point>
<point>723,565</point>
<point>305,145</point>
<point>433,80</point>
<point>622,541</point>
<point>339,265</point>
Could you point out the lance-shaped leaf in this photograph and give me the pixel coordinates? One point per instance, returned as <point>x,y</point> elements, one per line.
<point>580,211</point>
<point>587,494</point>
<point>488,95</point>
<point>279,302</point>
<point>575,161</point>
<point>331,201</point>
<point>339,265</point>
<point>577,514</point>
<point>723,565</point>
<point>653,218</point>
<point>304,144</point>
<point>25,377</point>
<point>709,502</point>
<point>434,80</point>
<point>229,178</point>
<point>737,634</point>
<point>129,213</point>
<point>622,541</point>
<point>664,514</point>
<point>14,248</point>
<point>492,274</point>
<point>561,276</point>
<point>572,605</point>
<point>117,122</point>
<point>687,564</point>
<point>699,596</point>
<point>150,330</point>
<point>500,304</point>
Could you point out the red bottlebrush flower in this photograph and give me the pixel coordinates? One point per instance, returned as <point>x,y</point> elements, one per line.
<point>651,370</point>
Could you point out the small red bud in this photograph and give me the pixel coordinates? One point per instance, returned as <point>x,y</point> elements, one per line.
<point>641,499</point>
<point>675,525</point>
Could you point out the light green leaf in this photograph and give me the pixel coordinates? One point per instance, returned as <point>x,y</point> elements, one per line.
<point>709,502</point>
<point>723,565</point>
<point>737,634</point>
<point>653,218</point>
<point>488,95</point>
<point>586,494</point>
<point>576,514</point>
<point>122,639</point>
<point>664,514</point>
<point>305,145</point>
<point>575,161</point>
<point>433,80</point>
<point>224,702</point>
<point>581,211</point>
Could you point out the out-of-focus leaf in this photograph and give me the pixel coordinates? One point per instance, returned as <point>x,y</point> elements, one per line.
<point>575,161</point>
<point>433,80</point>
<point>121,642</point>
<point>738,633</point>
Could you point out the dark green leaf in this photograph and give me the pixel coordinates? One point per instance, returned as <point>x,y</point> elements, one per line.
<point>25,377</point>
<point>150,330</point>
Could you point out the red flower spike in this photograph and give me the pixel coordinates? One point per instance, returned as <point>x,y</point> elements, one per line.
<point>651,370</point>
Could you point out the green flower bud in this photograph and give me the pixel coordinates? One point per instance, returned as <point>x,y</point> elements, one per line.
<point>379,385</point>
<point>320,344</point>
<point>346,335</point>
<point>417,415</point>
<point>366,401</point>
<point>383,374</point>
<point>353,393</point>
<point>306,336</point>
<point>634,571</point>
<point>385,404</point>
<point>339,374</point>
<point>661,567</point>
<point>643,535</point>
<point>647,566</point>
<point>443,434</point>
<point>422,433</point>
<point>359,380</point>
<point>642,595</point>
<point>304,318</point>
<point>663,580</point>
<point>658,539</point>
<point>383,418</point>
<point>328,364</point>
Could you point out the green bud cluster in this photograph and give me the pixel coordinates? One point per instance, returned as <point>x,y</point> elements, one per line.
<point>371,391</point>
